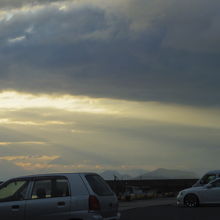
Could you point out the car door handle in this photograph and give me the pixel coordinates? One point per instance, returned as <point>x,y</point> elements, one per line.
<point>61,203</point>
<point>15,207</point>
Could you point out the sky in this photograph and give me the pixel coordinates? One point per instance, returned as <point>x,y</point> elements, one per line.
<point>109,85</point>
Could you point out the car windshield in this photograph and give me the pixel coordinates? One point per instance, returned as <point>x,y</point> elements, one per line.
<point>13,190</point>
<point>208,178</point>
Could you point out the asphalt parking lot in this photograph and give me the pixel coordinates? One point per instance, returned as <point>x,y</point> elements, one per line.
<point>170,212</point>
<point>166,209</point>
<point>146,203</point>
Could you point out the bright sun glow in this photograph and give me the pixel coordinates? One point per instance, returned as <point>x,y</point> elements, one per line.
<point>149,111</point>
<point>17,101</point>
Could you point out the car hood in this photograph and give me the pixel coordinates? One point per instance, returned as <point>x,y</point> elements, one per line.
<point>192,189</point>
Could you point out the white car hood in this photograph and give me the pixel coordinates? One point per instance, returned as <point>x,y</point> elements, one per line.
<point>192,189</point>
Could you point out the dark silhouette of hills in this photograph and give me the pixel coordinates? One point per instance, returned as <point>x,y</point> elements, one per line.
<point>160,173</point>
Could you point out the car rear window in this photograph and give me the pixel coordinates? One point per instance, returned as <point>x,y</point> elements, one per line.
<point>99,186</point>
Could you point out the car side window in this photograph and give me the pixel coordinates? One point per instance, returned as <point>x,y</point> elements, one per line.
<point>60,188</point>
<point>216,183</point>
<point>50,188</point>
<point>13,191</point>
<point>42,189</point>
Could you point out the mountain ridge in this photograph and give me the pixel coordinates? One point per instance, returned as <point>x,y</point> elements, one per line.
<point>160,173</point>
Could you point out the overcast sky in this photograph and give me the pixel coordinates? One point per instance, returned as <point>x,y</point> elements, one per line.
<point>121,84</point>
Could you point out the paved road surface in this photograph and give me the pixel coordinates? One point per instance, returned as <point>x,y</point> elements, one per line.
<point>145,203</point>
<point>171,212</point>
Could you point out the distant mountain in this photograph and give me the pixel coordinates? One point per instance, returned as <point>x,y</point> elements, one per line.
<point>112,174</point>
<point>143,174</point>
<point>168,174</point>
<point>133,172</point>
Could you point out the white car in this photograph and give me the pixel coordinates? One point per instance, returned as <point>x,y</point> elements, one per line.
<point>63,196</point>
<point>195,196</point>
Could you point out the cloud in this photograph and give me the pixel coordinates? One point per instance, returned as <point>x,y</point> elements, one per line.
<point>41,158</point>
<point>142,74</point>
<point>12,135</point>
<point>193,26</point>
<point>138,50</point>
<point>154,111</point>
<point>7,121</point>
<point>15,101</point>
<point>9,170</point>
<point>19,3</point>
<point>135,134</point>
<point>16,40</point>
<point>22,142</point>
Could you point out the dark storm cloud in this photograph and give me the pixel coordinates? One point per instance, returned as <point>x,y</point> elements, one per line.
<point>142,50</point>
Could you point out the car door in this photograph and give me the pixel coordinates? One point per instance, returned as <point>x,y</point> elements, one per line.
<point>12,210</point>
<point>49,199</point>
<point>12,200</point>
<point>213,192</point>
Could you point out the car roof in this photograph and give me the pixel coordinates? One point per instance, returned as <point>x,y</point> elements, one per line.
<point>52,174</point>
<point>213,172</point>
